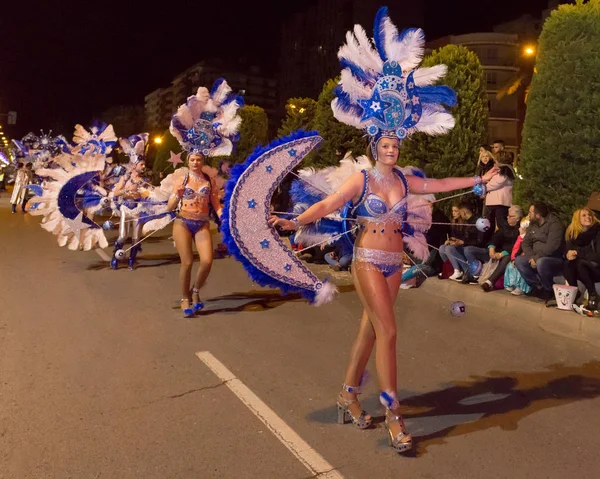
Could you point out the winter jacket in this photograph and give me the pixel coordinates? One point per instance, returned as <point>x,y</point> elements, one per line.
<point>500,187</point>
<point>545,240</point>
<point>504,239</point>
<point>467,232</point>
<point>587,244</point>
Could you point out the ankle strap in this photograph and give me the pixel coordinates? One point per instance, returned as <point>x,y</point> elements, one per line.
<point>195,290</point>
<point>388,399</point>
<point>351,389</point>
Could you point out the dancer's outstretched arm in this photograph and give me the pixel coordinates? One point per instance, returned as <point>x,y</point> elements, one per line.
<point>350,189</point>
<point>419,185</point>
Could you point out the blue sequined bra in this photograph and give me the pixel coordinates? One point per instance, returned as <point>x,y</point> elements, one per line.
<point>373,209</point>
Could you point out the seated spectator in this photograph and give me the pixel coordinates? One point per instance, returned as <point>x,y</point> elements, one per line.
<point>513,281</point>
<point>340,258</point>
<point>435,237</point>
<point>499,192</point>
<point>464,234</point>
<point>542,251</point>
<point>583,253</point>
<point>499,248</point>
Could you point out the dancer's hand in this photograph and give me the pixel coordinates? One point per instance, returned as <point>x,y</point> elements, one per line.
<point>179,191</point>
<point>490,174</point>
<point>286,225</point>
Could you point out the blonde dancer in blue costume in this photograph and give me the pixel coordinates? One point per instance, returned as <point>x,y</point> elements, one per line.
<point>382,91</point>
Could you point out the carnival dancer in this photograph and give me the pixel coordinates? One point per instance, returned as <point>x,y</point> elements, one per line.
<point>206,125</point>
<point>382,91</point>
<point>129,196</point>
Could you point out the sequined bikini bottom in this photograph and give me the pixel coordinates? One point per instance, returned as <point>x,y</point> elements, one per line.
<point>386,262</point>
<point>193,226</point>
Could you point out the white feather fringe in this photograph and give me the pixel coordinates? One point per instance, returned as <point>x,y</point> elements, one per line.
<point>325,294</point>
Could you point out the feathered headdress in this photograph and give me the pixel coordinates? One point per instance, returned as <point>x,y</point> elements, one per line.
<point>381,89</point>
<point>208,122</point>
<point>44,146</point>
<point>99,140</point>
<point>135,147</point>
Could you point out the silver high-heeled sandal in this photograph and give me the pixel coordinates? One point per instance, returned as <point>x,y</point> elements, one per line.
<point>344,415</point>
<point>402,442</point>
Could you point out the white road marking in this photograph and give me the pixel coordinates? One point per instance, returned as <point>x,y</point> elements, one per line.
<point>313,461</point>
<point>102,254</point>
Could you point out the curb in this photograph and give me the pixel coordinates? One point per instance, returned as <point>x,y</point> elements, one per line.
<point>552,320</point>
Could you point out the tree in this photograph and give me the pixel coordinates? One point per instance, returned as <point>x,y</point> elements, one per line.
<point>454,153</point>
<point>338,138</point>
<point>561,147</point>
<point>300,114</point>
<point>253,132</point>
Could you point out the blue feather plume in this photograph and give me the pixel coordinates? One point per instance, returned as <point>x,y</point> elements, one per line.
<point>437,94</point>
<point>379,32</point>
<point>357,71</point>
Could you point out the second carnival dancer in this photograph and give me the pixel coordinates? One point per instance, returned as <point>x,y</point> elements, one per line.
<point>129,195</point>
<point>382,91</point>
<point>206,125</point>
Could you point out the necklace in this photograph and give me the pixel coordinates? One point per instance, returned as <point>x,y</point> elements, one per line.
<point>385,181</point>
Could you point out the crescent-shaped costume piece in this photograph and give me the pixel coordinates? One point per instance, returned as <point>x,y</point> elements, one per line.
<point>247,234</point>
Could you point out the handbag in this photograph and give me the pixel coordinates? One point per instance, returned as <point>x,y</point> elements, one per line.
<point>487,270</point>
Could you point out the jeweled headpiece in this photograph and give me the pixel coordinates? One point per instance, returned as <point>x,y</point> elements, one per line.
<point>382,91</point>
<point>99,140</point>
<point>135,147</point>
<point>208,123</point>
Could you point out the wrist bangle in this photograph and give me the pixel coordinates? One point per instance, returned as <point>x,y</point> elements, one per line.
<point>296,223</point>
<point>478,180</point>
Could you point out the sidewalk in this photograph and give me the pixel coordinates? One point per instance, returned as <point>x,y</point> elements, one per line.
<point>501,303</point>
<point>553,320</point>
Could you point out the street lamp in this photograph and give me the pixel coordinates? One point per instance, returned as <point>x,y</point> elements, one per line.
<point>529,51</point>
<point>158,140</point>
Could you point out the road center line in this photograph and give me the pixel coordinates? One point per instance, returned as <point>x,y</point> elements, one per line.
<point>313,461</point>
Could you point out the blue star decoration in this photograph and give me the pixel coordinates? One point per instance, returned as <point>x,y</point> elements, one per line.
<point>288,267</point>
<point>269,169</point>
<point>264,243</point>
<point>374,107</point>
<point>252,204</point>
<point>292,152</point>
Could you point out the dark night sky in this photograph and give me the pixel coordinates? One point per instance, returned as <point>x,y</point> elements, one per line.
<point>68,61</point>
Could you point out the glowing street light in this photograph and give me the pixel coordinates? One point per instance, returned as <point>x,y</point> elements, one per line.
<point>529,51</point>
<point>158,140</point>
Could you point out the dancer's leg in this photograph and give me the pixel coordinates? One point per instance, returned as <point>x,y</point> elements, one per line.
<point>183,243</point>
<point>204,245</point>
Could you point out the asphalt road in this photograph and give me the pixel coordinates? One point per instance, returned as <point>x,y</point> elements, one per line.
<point>99,377</point>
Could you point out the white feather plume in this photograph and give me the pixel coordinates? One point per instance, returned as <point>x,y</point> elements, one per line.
<point>341,115</point>
<point>435,122</point>
<point>429,75</point>
<point>408,52</point>
<point>353,87</point>
<point>370,57</point>
<point>417,244</point>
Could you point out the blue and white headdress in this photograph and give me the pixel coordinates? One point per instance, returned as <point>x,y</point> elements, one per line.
<point>99,140</point>
<point>381,89</point>
<point>135,147</point>
<point>208,123</point>
<point>44,146</point>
